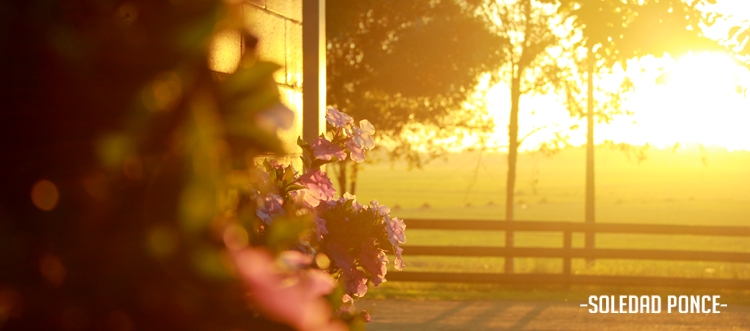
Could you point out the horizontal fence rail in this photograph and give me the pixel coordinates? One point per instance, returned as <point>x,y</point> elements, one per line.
<point>567,253</point>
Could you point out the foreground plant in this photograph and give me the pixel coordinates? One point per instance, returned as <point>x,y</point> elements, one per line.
<point>287,209</point>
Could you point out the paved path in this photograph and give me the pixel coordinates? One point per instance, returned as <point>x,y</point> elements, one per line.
<point>402,315</point>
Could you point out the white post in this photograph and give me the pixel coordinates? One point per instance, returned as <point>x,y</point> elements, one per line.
<point>313,68</point>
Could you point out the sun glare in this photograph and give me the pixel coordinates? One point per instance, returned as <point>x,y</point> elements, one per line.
<point>698,98</point>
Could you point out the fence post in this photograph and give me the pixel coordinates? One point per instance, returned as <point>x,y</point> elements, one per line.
<point>509,246</point>
<point>567,245</point>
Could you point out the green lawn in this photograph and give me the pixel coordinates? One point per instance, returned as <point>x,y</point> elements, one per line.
<point>685,187</point>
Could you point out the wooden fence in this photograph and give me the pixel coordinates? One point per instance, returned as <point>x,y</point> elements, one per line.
<point>567,253</point>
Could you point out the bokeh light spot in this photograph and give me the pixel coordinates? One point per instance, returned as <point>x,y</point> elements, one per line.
<point>163,92</point>
<point>235,237</point>
<point>127,13</point>
<point>44,195</point>
<point>11,304</point>
<point>322,261</point>
<point>52,270</point>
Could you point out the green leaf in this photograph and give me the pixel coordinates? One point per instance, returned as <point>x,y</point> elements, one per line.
<point>306,161</point>
<point>245,80</point>
<point>301,142</point>
<point>294,187</point>
<point>272,176</point>
<point>288,176</point>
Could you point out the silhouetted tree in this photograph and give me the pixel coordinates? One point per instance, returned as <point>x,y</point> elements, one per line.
<point>614,32</point>
<point>528,25</point>
<point>405,63</point>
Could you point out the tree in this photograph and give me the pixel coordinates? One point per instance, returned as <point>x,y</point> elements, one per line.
<point>616,31</point>
<point>407,65</point>
<point>738,37</point>
<point>528,25</point>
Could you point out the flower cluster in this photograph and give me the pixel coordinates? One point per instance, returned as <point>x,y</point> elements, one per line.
<point>285,291</point>
<point>355,239</point>
<point>346,139</point>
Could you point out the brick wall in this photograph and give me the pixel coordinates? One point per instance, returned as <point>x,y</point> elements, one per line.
<point>278,26</point>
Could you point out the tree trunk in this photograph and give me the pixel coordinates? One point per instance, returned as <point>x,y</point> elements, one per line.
<point>353,178</point>
<point>590,151</point>
<point>515,96</point>
<point>342,176</point>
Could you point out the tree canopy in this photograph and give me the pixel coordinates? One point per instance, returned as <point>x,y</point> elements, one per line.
<point>398,63</point>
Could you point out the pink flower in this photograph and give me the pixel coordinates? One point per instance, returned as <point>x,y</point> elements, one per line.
<point>325,150</point>
<point>337,118</point>
<point>355,281</point>
<point>374,261</point>
<point>357,153</point>
<point>294,260</point>
<point>366,316</point>
<point>319,187</point>
<point>362,135</point>
<point>269,206</point>
<point>399,262</point>
<point>381,210</point>
<point>275,117</point>
<point>292,298</point>
<point>395,227</point>
<point>355,205</point>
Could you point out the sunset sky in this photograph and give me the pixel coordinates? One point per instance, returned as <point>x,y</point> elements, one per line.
<point>695,98</point>
<point>696,101</point>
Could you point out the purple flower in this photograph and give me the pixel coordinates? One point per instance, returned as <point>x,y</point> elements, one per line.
<point>355,205</point>
<point>357,153</point>
<point>395,227</point>
<point>337,118</point>
<point>319,187</point>
<point>380,210</point>
<point>362,135</point>
<point>325,150</point>
<point>399,262</point>
<point>269,206</point>
<point>374,261</point>
<point>320,226</point>
<point>355,281</point>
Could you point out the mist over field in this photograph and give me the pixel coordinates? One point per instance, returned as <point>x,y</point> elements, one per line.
<point>688,185</point>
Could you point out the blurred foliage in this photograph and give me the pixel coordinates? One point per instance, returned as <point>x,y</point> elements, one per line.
<point>621,30</point>
<point>119,145</point>
<point>618,31</point>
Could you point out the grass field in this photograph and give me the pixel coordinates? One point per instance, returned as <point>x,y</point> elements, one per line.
<point>686,186</point>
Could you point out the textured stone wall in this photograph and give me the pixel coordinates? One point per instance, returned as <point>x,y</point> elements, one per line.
<point>278,26</point>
